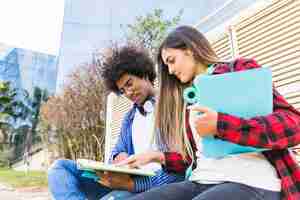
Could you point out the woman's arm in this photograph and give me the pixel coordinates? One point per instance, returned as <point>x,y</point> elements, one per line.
<point>279,130</point>
<point>174,162</point>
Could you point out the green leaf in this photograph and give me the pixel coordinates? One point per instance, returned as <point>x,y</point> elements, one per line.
<point>151,29</point>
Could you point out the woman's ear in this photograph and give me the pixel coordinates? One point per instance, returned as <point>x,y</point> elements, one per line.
<point>188,52</point>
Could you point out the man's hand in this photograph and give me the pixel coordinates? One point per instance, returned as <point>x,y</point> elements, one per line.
<point>135,161</point>
<point>115,180</point>
<point>121,156</point>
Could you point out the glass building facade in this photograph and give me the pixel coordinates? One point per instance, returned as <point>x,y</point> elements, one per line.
<point>27,69</point>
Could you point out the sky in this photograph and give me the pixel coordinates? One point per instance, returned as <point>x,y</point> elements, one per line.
<point>32,24</point>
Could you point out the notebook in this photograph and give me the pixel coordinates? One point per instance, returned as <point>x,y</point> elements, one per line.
<point>243,94</point>
<point>90,166</point>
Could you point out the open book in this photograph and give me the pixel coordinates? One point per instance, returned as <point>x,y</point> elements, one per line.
<point>91,165</point>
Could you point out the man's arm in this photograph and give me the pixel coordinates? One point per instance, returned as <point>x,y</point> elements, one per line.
<point>143,183</point>
<point>118,149</point>
<point>122,144</point>
<point>137,183</point>
<point>172,162</point>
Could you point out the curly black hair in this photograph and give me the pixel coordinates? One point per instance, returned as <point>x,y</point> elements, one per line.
<point>131,59</point>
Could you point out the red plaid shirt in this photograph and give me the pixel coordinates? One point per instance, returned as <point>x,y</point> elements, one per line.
<point>276,131</point>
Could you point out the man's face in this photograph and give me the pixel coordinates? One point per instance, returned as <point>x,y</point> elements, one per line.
<point>134,88</point>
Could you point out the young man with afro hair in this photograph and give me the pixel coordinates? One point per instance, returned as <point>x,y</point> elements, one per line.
<point>126,70</point>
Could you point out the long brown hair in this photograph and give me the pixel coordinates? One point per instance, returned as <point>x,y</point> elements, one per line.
<point>170,109</point>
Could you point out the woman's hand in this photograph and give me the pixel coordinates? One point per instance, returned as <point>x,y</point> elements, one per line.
<point>115,180</point>
<point>206,122</point>
<point>135,161</point>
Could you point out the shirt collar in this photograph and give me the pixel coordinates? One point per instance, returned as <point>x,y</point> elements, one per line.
<point>147,107</point>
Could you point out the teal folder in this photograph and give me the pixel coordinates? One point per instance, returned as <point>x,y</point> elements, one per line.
<point>244,94</point>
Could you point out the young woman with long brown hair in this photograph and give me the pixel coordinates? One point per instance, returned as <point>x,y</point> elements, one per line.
<point>271,175</point>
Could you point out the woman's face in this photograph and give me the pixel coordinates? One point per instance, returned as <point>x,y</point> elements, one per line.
<point>180,63</point>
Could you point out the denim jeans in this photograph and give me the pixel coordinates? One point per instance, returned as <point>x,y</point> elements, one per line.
<point>65,183</point>
<point>188,190</point>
